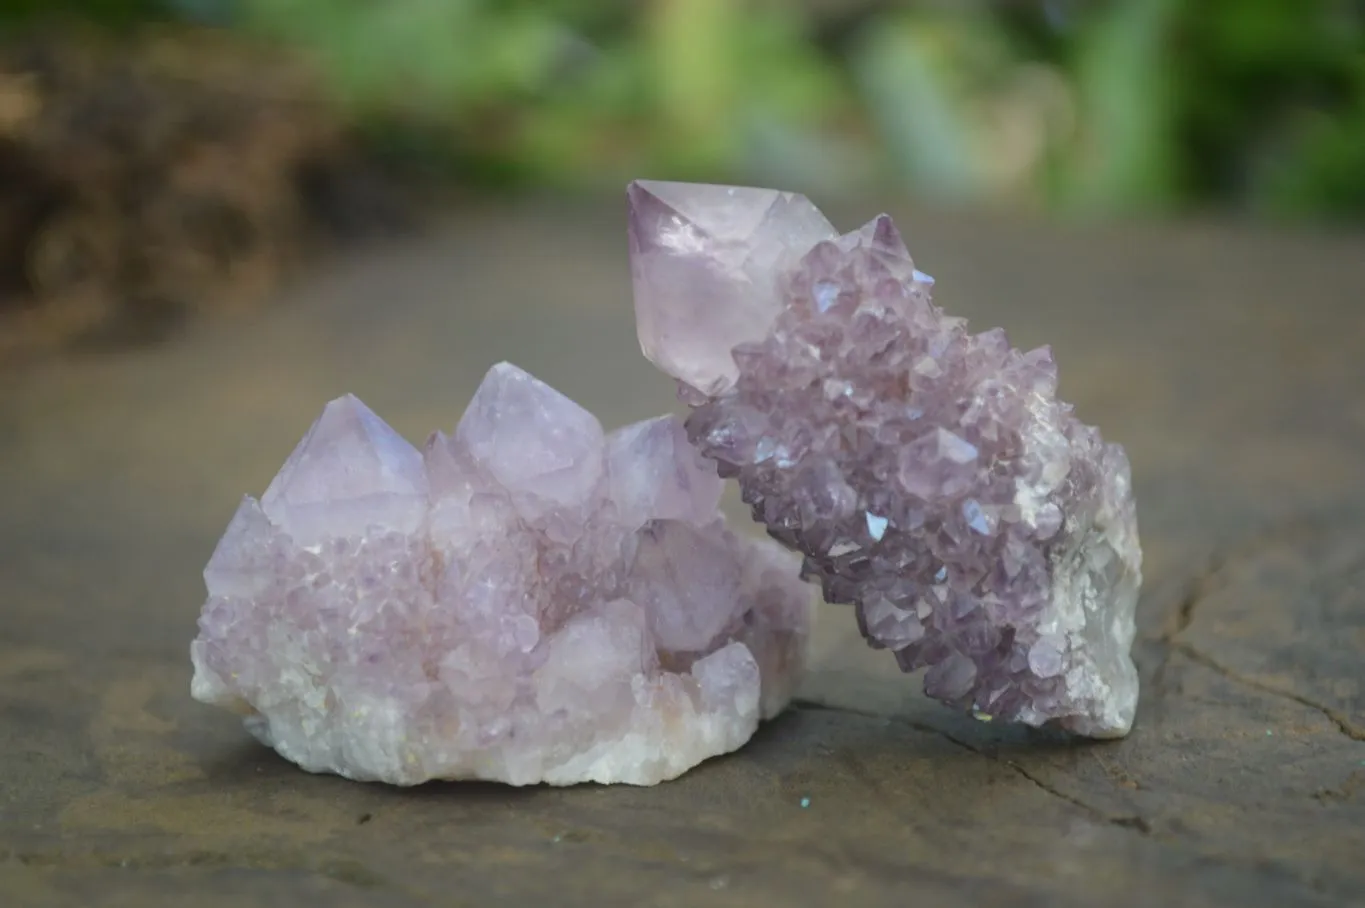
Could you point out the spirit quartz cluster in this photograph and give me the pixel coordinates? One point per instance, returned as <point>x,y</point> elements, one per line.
<point>533,600</point>
<point>528,600</point>
<point>930,477</point>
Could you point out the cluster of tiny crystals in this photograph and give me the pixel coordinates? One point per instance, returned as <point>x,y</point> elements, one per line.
<point>929,476</point>
<point>527,600</point>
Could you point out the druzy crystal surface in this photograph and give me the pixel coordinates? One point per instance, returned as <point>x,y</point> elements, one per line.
<point>930,476</point>
<point>527,600</point>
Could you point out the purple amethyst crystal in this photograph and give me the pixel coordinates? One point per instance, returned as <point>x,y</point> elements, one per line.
<point>528,600</point>
<point>929,476</point>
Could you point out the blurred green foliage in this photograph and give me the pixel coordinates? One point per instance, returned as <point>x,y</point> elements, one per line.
<point>1085,105</point>
<point>574,91</point>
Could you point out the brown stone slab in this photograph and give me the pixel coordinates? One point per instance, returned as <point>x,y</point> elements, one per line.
<point>1231,363</point>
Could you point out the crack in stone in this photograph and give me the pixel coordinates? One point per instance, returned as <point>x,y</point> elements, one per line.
<point>1209,581</point>
<point>1212,575</point>
<point>1212,578</point>
<point>1127,822</point>
<point>1335,716</point>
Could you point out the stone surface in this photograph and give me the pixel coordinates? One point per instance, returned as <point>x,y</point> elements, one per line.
<point>929,476</point>
<point>527,601</point>
<point>119,791</point>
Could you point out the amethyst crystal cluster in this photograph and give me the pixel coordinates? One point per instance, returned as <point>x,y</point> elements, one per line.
<point>930,476</point>
<point>534,600</point>
<point>528,600</point>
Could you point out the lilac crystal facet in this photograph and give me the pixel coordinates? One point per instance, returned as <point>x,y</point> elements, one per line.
<point>929,476</point>
<point>702,258</point>
<point>528,600</point>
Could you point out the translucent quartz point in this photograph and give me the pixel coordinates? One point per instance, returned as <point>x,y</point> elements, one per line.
<point>703,259</point>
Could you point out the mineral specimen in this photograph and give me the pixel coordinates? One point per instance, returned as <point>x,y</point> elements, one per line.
<point>528,600</point>
<point>929,476</point>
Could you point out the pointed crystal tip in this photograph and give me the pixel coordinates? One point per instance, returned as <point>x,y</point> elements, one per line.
<point>704,266</point>
<point>531,438</point>
<point>351,466</point>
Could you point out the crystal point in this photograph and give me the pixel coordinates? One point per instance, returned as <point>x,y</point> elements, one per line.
<point>532,439</point>
<point>655,472</point>
<point>349,456</point>
<point>702,259</point>
<point>928,476</point>
<point>524,601</point>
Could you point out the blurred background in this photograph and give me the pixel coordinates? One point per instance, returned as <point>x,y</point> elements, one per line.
<point>158,157</point>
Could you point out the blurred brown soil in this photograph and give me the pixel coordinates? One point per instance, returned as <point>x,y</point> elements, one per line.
<point>147,178</point>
